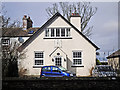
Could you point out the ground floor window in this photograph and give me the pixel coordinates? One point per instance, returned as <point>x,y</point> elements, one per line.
<point>77,58</point>
<point>39,57</point>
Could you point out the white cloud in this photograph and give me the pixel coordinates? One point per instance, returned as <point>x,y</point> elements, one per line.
<point>111,26</point>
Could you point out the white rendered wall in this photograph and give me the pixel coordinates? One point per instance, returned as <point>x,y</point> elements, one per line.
<point>68,45</point>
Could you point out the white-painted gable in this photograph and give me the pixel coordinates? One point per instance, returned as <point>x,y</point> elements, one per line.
<point>59,22</point>
<point>77,42</point>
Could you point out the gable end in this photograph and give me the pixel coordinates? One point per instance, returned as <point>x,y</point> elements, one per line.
<point>40,30</point>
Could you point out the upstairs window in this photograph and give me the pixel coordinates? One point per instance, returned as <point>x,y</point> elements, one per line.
<point>57,32</point>
<point>5,41</point>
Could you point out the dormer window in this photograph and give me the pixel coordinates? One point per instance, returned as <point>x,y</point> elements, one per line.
<point>57,32</point>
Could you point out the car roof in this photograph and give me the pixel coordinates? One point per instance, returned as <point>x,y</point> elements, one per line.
<point>49,66</point>
<point>103,66</point>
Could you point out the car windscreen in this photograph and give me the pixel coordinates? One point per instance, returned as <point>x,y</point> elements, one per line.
<point>62,68</point>
<point>105,69</point>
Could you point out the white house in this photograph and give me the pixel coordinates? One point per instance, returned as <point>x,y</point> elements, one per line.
<point>12,35</point>
<point>114,60</point>
<point>17,34</point>
<point>59,42</point>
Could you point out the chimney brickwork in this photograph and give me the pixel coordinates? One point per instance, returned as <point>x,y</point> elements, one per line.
<point>75,19</point>
<point>27,22</point>
<point>24,22</point>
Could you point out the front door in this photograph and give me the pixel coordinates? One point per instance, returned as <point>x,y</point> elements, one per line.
<point>58,61</point>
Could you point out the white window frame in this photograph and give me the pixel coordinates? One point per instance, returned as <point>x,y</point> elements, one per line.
<point>48,34</point>
<point>58,57</point>
<point>77,58</point>
<point>7,42</point>
<point>38,58</point>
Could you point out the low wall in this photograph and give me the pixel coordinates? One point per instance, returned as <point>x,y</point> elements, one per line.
<point>60,83</point>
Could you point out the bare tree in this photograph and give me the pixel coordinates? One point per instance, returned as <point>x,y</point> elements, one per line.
<point>10,55</point>
<point>6,21</point>
<point>85,10</point>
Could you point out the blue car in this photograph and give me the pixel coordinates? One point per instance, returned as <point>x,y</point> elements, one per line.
<point>55,71</point>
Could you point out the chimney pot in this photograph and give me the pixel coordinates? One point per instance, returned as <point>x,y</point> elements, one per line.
<point>75,14</point>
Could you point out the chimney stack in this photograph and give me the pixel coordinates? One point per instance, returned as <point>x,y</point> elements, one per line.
<point>75,19</point>
<point>24,22</point>
<point>27,22</point>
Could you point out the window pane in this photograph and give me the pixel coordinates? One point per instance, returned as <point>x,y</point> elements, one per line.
<point>77,61</point>
<point>54,69</point>
<point>47,33</point>
<point>58,61</point>
<point>79,54</point>
<point>38,62</point>
<point>49,69</point>
<point>39,55</point>
<point>76,54</point>
<point>52,32</point>
<point>67,32</point>
<point>6,41</point>
<point>62,32</point>
<point>46,69</point>
<point>57,32</point>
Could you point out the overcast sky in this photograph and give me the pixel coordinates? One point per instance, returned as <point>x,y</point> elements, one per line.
<point>105,21</point>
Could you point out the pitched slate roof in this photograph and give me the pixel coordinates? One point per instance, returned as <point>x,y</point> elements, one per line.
<point>25,44</point>
<point>115,54</point>
<point>17,32</point>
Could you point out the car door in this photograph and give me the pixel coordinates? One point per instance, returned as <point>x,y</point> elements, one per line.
<point>46,71</point>
<point>56,72</point>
